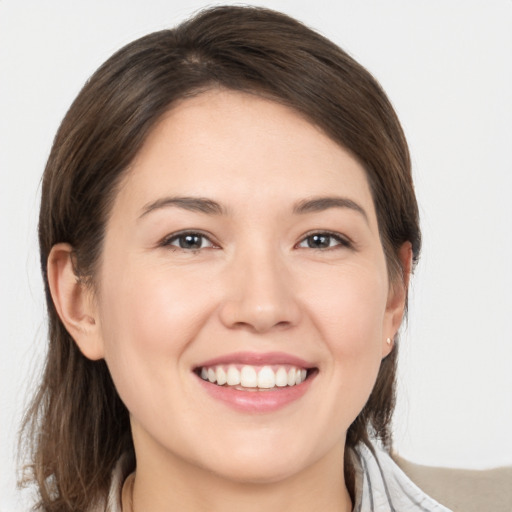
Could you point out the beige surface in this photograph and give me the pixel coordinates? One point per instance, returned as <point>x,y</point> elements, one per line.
<point>463,490</point>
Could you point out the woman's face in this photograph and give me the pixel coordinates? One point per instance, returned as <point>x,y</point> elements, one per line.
<point>243,244</point>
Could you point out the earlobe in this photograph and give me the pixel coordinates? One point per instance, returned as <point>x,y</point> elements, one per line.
<point>387,347</point>
<point>74,302</point>
<point>397,299</point>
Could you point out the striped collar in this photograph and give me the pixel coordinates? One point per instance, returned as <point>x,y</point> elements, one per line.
<point>381,486</point>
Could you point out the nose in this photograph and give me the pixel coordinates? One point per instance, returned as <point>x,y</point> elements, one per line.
<point>260,294</point>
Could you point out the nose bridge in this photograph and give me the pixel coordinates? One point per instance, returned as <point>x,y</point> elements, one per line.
<point>259,293</point>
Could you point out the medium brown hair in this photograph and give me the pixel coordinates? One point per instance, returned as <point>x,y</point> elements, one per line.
<point>77,426</point>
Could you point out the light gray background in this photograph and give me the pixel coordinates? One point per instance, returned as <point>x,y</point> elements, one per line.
<point>447,68</point>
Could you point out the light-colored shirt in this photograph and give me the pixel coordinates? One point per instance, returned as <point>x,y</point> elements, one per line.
<point>381,486</point>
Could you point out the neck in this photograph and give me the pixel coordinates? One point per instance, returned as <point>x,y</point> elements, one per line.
<point>163,484</point>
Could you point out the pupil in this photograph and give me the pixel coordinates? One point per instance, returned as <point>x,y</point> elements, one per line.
<point>190,242</point>
<point>317,241</point>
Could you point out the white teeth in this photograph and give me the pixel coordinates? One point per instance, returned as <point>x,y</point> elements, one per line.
<point>291,377</point>
<point>248,377</point>
<point>266,378</point>
<point>254,377</point>
<point>221,376</point>
<point>281,378</point>
<point>233,377</point>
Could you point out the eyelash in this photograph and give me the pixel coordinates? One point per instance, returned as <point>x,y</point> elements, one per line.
<point>341,241</point>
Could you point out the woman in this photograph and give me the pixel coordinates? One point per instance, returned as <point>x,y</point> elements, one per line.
<point>227,229</point>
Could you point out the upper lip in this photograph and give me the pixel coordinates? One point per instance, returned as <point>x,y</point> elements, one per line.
<point>258,359</point>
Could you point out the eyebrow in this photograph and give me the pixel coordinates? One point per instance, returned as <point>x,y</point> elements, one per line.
<point>211,207</point>
<point>318,204</point>
<point>193,204</point>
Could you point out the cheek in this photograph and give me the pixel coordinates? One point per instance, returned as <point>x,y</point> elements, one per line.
<point>149,310</point>
<point>349,308</point>
<point>147,320</point>
<point>349,312</point>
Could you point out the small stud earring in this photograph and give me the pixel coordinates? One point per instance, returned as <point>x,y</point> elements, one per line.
<point>388,341</point>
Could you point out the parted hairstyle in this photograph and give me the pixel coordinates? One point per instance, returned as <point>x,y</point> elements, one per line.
<point>77,426</point>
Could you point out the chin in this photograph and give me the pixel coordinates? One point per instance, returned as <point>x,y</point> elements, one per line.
<point>258,461</point>
<point>256,472</point>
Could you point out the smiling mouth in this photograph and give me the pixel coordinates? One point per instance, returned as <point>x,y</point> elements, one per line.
<point>255,378</point>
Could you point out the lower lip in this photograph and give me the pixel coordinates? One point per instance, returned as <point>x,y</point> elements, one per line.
<point>257,401</point>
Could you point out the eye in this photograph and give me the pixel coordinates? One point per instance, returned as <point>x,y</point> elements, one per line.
<point>188,241</point>
<point>324,240</point>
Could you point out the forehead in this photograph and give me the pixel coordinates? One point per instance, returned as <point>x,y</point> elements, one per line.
<point>241,149</point>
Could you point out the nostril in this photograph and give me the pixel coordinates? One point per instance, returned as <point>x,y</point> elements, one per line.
<point>283,324</point>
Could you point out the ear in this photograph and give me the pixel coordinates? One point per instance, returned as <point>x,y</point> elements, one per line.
<point>74,302</point>
<point>397,299</point>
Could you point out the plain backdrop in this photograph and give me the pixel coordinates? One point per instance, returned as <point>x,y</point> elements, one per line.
<point>446,66</point>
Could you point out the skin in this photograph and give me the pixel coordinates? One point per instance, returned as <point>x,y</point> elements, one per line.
<point>256,285</point>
